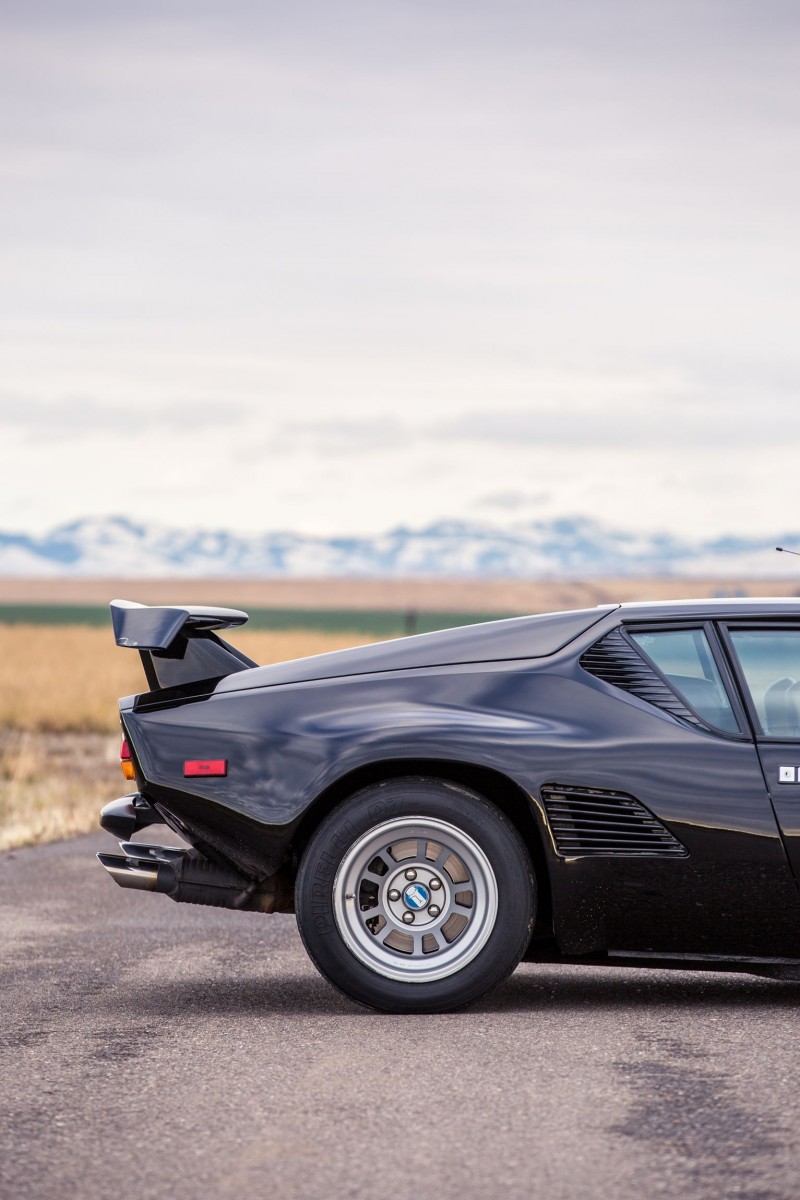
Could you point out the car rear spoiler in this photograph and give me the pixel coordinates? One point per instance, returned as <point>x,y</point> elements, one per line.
<point>177,643</point>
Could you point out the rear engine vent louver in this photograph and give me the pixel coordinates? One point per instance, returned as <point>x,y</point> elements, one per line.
<point>614,660</point>
<point>588,822</point>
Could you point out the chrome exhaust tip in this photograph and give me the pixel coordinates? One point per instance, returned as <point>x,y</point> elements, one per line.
<point>152,854</point>
<point>131,873</point>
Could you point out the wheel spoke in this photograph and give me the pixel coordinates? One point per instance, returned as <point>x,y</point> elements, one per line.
<point>442,857</point>
<point>463,910</point>
<point>370,914</point>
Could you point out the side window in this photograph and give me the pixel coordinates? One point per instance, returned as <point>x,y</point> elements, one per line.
<point>684,658</point>
<point>770,662</point>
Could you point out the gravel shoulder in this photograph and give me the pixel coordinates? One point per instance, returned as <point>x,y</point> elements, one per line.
<point>160,1048</point>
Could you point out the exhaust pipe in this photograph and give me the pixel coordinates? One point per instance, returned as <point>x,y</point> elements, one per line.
<point>152,854</point>
<point>131,873</point>
<point>189,878</point>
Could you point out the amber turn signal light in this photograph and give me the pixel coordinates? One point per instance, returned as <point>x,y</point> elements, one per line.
<point>125,760</point>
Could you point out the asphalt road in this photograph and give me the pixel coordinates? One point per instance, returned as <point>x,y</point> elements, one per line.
<point>156,1050</point>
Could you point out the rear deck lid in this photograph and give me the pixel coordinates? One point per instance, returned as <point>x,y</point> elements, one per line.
<point>492,641</point>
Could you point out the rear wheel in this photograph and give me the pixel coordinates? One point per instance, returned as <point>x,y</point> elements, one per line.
<point>415,895</point>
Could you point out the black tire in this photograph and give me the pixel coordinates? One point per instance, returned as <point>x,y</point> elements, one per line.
<point>332,917</point>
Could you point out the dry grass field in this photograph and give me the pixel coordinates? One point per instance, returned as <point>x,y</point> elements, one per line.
<point>66,679</point>
<point>59,723</point>
<point>52,785</point>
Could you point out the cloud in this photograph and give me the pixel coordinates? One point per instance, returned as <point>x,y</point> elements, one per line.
<point>716,414</point>
<point>511,502</point>
<point>79,416</point>
<point>343,436</point>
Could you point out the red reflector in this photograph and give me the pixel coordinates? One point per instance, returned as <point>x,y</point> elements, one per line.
<point>125,751</point>
<point>205,766</point>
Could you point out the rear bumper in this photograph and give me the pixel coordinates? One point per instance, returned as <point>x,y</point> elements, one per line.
<point>127,815</point>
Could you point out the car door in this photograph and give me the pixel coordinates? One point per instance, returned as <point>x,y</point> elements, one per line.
<point>733,893</point>
<point>766,656</point>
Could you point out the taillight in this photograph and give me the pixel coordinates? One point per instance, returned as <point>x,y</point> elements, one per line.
<point>125,760</point>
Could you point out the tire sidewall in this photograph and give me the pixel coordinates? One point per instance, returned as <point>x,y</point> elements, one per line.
<point>416,797</point>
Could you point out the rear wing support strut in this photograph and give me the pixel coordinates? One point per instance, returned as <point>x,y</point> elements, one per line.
<point>177,643</point>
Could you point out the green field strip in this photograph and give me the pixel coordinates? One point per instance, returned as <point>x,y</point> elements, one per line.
<point>375,622</point>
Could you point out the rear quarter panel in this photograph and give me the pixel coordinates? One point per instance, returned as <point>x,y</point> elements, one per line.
<point>536,723</point>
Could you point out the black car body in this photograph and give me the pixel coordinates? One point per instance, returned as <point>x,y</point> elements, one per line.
<point>619,785</point>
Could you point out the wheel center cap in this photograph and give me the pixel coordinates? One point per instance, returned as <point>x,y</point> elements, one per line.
<point>416,897</point>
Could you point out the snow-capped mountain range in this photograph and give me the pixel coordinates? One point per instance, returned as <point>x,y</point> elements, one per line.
<point>573,547</point>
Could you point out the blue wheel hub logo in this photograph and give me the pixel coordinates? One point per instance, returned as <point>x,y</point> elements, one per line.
<point>416,897</point>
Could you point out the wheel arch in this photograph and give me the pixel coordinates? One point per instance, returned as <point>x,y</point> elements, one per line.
<point>494,786</point>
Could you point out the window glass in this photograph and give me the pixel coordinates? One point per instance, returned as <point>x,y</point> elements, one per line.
<point>771,667</point>
<point>684,657</point>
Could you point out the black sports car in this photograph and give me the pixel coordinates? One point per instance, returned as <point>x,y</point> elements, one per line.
<point>619,785</point>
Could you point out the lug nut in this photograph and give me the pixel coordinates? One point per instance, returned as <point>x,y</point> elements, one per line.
<point>411,873</point>
<point>435,884</point>
<point>394,894</point>
<point>408,917</point>
<point>434,910</point>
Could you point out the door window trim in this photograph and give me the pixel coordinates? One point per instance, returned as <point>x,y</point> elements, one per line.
<point>726,628</point>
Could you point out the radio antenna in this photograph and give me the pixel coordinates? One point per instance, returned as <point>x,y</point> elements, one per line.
<point>783,550</point>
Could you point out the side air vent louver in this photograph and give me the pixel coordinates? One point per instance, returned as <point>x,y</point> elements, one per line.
<point>588,822</point>
<point>614,660</point>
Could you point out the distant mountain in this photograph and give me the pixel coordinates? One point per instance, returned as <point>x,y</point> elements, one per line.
<point>568,547</point>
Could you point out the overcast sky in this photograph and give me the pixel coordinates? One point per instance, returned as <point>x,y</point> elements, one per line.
<point>337,266</point>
